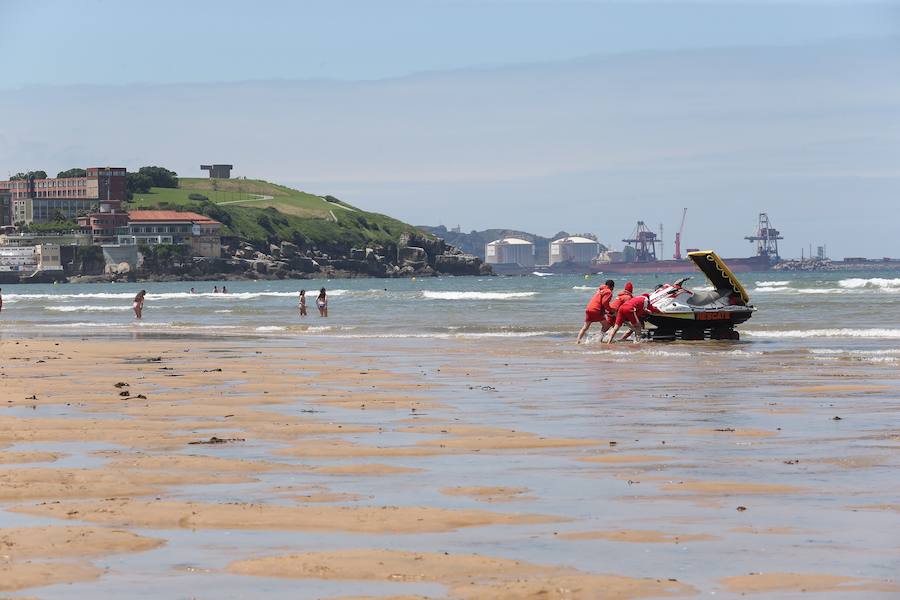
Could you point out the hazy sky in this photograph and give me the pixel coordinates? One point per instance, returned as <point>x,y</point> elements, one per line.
<point>540,115</point>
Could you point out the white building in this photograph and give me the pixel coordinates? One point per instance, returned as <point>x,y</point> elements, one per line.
<point>509,251</point>
<point>573,249</point>
<point>28,259</point>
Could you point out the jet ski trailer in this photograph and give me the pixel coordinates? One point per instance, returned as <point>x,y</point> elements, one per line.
<point>689,315</point>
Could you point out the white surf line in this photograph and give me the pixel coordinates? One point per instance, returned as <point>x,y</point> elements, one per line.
<point>256,198</point>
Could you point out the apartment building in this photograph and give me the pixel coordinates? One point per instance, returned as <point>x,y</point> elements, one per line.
<point>43,200</point>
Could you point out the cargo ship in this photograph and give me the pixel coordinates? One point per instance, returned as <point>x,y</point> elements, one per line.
<point>639,255</point>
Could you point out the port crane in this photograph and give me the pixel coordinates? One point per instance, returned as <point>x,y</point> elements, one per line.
<point>766,238</point>
<point>678,236</point>
<point>644,242</point>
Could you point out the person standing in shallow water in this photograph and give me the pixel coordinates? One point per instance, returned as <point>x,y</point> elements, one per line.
<point>138,304</point>
<point>322,303</point>
<point>301,302</point>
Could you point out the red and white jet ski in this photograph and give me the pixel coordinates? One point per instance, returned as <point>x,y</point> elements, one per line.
<point>689,315</point>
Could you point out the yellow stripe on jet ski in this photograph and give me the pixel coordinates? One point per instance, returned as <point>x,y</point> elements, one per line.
<point>718,272</point>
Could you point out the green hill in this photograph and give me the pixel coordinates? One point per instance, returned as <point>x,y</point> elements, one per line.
<point>261,213</point>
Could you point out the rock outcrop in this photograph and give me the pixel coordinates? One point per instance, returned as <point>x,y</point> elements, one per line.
<point>414,255</point>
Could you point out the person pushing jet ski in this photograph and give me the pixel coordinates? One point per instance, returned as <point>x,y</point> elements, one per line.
<point>632,312</point>
<point>598,310</point>
<point>624,296</point>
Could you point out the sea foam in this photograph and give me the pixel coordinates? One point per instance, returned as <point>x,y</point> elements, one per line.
<point>476,295</point>
<point>877,283</point>
<point>826,333</point>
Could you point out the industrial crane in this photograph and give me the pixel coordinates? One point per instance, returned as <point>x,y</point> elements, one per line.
<point>678,236</point>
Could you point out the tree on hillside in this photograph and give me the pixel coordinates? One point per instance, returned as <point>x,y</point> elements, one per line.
<point>75,172</point>
<point>29,175</point>
<point>137,183</point>
<point>160,176</point>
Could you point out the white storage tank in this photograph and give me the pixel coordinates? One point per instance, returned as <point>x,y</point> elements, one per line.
<point>574,249</point>
<point>509,251</point>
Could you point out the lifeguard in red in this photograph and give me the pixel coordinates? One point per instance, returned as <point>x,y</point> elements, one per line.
<point>633,311</point>
<point>624,296</point>
<point>598,309</point>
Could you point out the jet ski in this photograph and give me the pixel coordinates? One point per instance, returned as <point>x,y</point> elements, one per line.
<point>694,315</point>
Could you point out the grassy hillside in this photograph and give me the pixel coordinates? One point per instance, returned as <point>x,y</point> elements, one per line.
<point>260,212</point>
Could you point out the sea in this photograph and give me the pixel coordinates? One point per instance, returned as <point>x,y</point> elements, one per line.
<point>825,315</point>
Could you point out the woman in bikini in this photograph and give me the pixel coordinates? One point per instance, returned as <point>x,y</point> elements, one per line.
<point>322,303</point>
<point>138,304</point>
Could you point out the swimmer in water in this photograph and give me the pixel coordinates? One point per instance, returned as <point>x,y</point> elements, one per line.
<point>138,304</point>
<point>301,302</point>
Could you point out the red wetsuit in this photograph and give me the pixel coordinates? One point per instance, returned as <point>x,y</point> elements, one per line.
<point>597,309</point>
<point>634,310</point>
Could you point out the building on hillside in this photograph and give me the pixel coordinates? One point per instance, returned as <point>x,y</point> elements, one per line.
<point>21,240</point>
<point>43,200</point>
<point>25,260</point>
<point>218,171</point>
<point>105,224</point>
<point>152,227</point>
<point>509,251</point>
<point>6,209</point>
<point>574,249</point>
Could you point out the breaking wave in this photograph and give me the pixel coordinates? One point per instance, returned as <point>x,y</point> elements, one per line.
<point>827,333</point>
<point>164,296</point>
<point>477,295</point>
<point>772,283</point>
<point>875,283</point>
<point>87,308</point>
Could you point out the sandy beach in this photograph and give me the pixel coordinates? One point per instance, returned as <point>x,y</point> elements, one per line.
<point>457,469</point>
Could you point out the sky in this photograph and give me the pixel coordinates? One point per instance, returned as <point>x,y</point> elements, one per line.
<point>540,115</point>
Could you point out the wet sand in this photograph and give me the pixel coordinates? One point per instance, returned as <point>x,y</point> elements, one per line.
<point>457,469</point>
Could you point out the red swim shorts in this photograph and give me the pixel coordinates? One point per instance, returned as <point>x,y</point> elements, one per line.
<point>626,317</point>
<point>591,316</point>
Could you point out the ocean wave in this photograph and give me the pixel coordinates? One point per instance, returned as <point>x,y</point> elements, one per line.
<point>814,333</point>
<point>164,295</point>
<point>789,290</point>
<point>892,285</point>
<point>882,352</point>
<point>452,336</point>
<point>270,328</point>
<point>772,283</point>
<point>584,287</point>
<point>539,274</point>
<point>476,295</point>
<point>87,308</point>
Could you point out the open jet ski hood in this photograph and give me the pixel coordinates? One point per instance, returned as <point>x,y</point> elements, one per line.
<point>719,275</point>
